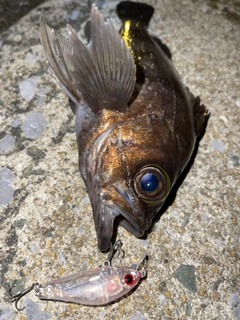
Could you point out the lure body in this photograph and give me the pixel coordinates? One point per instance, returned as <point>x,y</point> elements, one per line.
<point>96,286</point>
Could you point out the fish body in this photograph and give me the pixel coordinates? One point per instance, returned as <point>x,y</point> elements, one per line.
<point>136,123</point>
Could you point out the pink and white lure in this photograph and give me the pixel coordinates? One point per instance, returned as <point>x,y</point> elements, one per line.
<point>98,286</point>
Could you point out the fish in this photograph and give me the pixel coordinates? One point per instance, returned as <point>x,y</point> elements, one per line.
<point>136,123</point>
<point>96,286</point>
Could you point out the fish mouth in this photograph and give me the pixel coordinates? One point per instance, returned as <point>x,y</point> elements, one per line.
<point>104,223</point>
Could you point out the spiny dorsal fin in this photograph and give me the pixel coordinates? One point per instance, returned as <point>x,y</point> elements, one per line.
<point>103,72</point>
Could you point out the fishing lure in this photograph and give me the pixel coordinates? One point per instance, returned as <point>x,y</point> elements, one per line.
<point>98,286</point>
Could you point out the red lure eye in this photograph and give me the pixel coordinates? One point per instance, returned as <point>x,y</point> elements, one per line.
<point>129,279</point>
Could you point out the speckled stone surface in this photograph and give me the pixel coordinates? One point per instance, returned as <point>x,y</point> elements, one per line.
<point>47,228</point>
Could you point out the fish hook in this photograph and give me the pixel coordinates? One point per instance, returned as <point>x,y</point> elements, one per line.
<point>114,248</point>
<point>16,297</point>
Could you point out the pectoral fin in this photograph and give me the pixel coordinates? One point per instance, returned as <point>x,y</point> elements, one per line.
<point>57,50</point>
<point>103,72</point>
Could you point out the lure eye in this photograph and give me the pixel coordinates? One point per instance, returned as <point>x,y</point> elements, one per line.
<point>151,183</point>
<point>129,279</point>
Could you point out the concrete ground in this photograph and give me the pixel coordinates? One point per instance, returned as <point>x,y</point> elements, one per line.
<point>12,11</point>
<point>46,222</point>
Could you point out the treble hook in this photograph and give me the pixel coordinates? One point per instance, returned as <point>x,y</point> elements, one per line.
<point>16,297</point>
<point>114,248</point>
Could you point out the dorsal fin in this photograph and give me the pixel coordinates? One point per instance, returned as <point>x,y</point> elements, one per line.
<point>103,72</point>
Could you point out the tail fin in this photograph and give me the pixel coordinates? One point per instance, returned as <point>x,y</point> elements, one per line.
<point>141,12</point>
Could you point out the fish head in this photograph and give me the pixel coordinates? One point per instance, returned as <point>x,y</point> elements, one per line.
<point>131,169</point>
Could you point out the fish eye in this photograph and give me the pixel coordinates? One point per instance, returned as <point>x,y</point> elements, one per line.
<point>151,183</point>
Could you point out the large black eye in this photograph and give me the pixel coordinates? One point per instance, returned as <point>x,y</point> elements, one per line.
<point>151,183</point>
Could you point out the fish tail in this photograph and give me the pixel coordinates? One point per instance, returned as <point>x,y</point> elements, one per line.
<point>129,10</point>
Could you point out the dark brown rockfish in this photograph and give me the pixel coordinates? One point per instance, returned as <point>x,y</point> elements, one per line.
<point>136,123</point>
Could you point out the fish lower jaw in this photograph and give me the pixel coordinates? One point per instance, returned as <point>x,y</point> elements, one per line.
<point>135,230</point>
<point>107,216</point>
